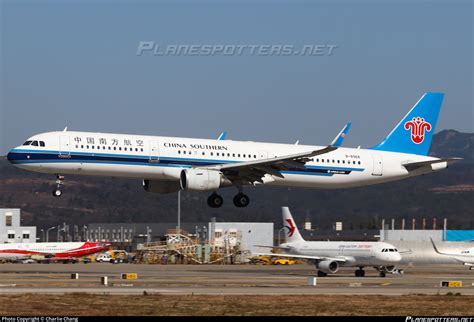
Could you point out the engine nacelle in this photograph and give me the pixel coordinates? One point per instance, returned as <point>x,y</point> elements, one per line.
<point>328,266</point>
<point>201,179</point>
<point>158,186</point>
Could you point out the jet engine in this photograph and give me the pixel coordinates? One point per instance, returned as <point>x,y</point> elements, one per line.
<point>202,180</point>
<point>161,186</point>
<point>328,266</point>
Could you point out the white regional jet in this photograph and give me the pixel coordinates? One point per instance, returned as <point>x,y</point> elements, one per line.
<point>329,256</point>
<point>170,164</point>
<point>465,256</point>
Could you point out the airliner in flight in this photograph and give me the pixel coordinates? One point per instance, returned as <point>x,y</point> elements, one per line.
<point>329,256</point>
<point>170,164</point>
<point>51,251</point>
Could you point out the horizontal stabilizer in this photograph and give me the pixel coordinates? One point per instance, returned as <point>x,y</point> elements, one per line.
<point>415,165</point>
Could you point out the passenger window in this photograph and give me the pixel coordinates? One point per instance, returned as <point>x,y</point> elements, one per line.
<point>179,152</point>
<point>359,162</point>
<point>115,148</point>
<point>338,161</point>
<point>87,146</point>
<point>254,156</point>
<point>120,148</point>
<point>82,147</point>
<point>142,149</point>
<point>243,156</point>
<point>238,155</point>
<point>109,147</point>
<point>203,153</point>
<point>212,153</point>
<point>217,153</point>
<point>233,154</point>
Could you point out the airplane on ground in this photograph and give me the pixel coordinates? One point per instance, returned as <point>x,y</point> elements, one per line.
<point>50,251</point>
<point>465,256</point>
<point>328,256</point>
<point>170,164</point>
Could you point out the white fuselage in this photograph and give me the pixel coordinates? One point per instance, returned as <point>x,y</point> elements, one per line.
<point>163,158</point>
<point>356,254</point>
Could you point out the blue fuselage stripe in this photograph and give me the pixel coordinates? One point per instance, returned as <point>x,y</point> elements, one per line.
<point>35,157</point>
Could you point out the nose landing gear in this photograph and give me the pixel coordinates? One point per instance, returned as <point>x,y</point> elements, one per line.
<point>57,192</point>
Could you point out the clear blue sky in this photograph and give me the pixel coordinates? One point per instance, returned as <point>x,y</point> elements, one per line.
<point>74,64</point>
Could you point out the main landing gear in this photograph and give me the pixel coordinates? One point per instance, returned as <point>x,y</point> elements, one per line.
<point>215,201</point>
<point>360,272</point>
<point>57,192</point>
<point>241,200</point>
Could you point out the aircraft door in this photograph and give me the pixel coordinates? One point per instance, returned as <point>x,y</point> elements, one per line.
<point>154,151</point>
<point>377,169</point>
<point>64,148</point>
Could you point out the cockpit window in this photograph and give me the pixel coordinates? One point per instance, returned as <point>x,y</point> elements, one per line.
<point>27,143</point>
<point>35,143</point>
<point>41,143</point>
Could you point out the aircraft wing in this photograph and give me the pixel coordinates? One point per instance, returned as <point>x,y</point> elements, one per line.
<point>318,258</point>
<point>254,171</point>
<point>462,259</point>
<point>415,165</point>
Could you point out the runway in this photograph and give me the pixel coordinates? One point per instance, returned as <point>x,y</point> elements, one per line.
<point>226,280</point>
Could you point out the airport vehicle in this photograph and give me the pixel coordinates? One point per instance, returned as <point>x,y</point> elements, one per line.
<point>465,256</point>
<point>329,256</point>
<point>104,257</point>
<point>285,261</point>
<point>50,251</point>
<point>170,164</point>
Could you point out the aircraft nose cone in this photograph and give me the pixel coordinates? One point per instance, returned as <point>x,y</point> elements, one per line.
<point>10,156</point>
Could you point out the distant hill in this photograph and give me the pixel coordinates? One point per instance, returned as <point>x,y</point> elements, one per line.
<point>451,143</point>
<point>447,193</point>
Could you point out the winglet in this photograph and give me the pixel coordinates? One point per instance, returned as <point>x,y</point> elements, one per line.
<point>434,246</point>
<point>341,136</point>
<point>222,136</point>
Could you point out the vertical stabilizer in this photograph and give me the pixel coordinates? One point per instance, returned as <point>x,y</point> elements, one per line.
<point>292,232</point>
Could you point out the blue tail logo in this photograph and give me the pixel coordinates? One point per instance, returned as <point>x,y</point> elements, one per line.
<point>414,132</point>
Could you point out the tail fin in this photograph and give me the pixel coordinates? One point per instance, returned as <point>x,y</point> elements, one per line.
<point>292,232</point>
<point>414,132</point>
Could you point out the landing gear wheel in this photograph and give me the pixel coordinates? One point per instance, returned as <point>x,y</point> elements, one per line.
<point>360,273</point>
<point>215,201</point>
<point>57,193</point>
<point>241,200</point>
<point>59,182</point>
<point>382,274</point>
<point>322,274</point>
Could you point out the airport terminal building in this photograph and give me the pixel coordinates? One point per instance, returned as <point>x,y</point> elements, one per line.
<point>11,230</point>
